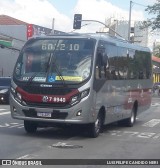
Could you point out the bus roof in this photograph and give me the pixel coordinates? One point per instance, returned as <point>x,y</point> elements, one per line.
<point>118,41</point>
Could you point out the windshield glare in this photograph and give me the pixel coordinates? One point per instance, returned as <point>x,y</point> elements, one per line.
<point>54,60</point>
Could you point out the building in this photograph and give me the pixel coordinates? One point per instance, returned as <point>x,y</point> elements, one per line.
<point>141,36</point>
<point>13,35</point>
<point>137,35</point>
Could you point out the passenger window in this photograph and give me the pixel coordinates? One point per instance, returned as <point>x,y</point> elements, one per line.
<point>101,64</point>
<point>120,63</point>
<point>111,59</point>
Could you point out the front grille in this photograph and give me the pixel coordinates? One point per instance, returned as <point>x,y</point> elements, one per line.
<point>46,90</point>
<point>55,114</point>
<point>43,105</point>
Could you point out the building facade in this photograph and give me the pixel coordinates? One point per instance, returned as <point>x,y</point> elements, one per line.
<point>13,35</point>
<point>137,35</point>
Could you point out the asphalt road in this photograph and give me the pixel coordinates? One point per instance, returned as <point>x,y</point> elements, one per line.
<point>116,142</point>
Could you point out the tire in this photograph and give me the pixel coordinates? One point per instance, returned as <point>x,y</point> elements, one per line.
<point>96,127</point>
<point>30,127</point>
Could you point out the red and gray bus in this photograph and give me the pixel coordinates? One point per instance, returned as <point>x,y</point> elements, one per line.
<point>82,79</point>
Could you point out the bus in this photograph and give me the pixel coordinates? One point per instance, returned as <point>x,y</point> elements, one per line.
<point>80,79</point>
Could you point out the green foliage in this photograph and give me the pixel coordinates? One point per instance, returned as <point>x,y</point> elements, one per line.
<point>156,51</point>
<point>154,22</point>
<point>157,55</point>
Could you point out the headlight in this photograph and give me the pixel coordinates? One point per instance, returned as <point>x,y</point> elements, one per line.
<point>84,93</point>
<point>4,90</point>
<point>16,94</point>
<point>13,90</point>
<point>19,96</point>
<point>77,98</point>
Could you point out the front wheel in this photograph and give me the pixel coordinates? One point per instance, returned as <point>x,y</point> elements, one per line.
<point>95,128</point>
<point>30,127</point>
<point>132,119</point>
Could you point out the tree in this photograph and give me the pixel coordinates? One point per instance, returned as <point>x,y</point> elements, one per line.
<point>154,22</point>
<point>156,51</point>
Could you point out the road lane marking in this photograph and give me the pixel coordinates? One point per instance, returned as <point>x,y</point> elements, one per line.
<point>16,125</point>
<point>4,125</point>
<point>155,104</point>
<point>152,123</point>
<point>156,136</point>
<point>21,126</point>
<point>11,125</point>
<point>65,145</point>
<point>28,156</point>
<point>142,135</point>
<point>4,113</point>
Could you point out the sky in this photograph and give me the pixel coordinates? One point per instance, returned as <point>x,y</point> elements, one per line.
<point>42,12</point>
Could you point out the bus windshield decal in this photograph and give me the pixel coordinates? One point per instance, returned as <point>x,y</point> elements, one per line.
<point>70,78</point>
<point>54,78</point>
<point>36,79</point>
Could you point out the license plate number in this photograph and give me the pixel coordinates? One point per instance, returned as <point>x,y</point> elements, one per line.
<point>43,114</point>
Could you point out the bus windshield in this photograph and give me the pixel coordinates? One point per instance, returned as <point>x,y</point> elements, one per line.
<point>54,60</point>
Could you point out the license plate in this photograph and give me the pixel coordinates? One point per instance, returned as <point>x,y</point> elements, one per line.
<point>44,114</point>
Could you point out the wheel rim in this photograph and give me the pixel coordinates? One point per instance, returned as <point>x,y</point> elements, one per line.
<point>97,125</point>
<point>132,118</point>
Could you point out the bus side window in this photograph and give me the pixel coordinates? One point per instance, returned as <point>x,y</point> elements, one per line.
<point>141,75</point>
<point>101,66</point>
<point>106,68</point>
<point>112,69</point>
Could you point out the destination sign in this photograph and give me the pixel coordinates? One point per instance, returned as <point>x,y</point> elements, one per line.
<point>62,46</point>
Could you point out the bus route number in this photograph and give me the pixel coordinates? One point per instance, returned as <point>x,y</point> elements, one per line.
<point>50,47</point>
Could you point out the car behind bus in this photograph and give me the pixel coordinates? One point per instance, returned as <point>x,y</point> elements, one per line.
<point>5,83</point>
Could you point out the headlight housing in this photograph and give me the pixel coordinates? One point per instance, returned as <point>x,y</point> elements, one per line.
<point>77,98</point>
<point>16,94</point>
<point>13,90</point>
<point>4,90</point>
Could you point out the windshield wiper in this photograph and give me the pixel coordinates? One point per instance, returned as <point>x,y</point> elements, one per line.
<point>53,61</point>
<point>59,74</point>
<point>30,80</point>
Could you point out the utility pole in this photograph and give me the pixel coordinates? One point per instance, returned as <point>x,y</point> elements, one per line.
<point>53,22</point>
<point>129,22</point>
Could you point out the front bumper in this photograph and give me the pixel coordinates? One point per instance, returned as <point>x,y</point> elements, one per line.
<point>58,115</point>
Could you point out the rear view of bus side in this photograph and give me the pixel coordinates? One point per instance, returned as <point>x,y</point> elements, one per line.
<point>87,79</point>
